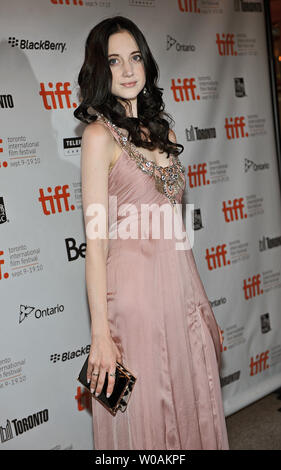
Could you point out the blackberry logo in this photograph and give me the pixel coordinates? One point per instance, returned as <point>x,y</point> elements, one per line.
<point>66,356</point>
<point>54,358</point>
<point>13,41</point>
<point>42,45</point>
<point>171,42</point>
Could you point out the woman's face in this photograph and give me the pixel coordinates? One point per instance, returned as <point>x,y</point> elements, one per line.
<point>126,64</point>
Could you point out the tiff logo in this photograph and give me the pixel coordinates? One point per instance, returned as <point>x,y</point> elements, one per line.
<point>197,175</point>
<point>184,91</point>
<point>226,44</point>
<point>234,210</point>
<point>83,399</point>
<point>189,6</point>
<point>2,261</point>
<point>56,96</point>
<point>252,287</point>
<point>235,130</point>
<point>260,364</point>
<point>67,2</point>
<point>223,348</point>
<point>216,257</point>
<point>54,200</point>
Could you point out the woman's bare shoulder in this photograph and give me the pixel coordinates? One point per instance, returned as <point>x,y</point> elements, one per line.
<point>97,130</point>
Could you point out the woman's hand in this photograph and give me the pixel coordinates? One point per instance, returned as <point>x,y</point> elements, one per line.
<point>102,358</point>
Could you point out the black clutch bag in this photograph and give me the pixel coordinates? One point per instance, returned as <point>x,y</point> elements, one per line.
<point>124,383</point>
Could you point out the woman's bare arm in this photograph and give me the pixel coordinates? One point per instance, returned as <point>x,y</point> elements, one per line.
<point>97,151</point>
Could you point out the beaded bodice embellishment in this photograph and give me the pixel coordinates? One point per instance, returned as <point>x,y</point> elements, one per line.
<point>169,180</point>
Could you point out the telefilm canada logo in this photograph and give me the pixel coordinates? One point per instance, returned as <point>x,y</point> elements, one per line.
<point>45,312</point>
<point>72,146</point>
<point>17,426</point>
<point>38,45</point>
<point>172,43</point>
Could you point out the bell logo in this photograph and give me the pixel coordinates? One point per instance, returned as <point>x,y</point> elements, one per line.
<point>54,201</point>
<point>252,287</point>
<point>260,364</point>
<point>188,6</point>
<point>233,210</point>
<point>216,257</point>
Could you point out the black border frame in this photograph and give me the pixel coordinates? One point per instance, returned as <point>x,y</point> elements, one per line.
<point>273,84</point>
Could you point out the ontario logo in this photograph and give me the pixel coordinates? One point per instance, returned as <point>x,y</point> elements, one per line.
<point>173,43</point>
<point>26,311</point>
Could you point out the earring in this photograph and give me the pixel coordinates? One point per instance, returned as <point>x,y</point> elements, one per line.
<point>144,91</point>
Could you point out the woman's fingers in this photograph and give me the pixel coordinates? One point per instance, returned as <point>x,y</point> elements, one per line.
<point>111,381</point>
<point>100,381</point>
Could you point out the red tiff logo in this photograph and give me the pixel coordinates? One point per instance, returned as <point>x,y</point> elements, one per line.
<point>197,175</point>
<point>252,287</point>
<point>233,210</point>
<point>184,90</point>
<point>216,257</point>
<point>2,262</point>
<point>83,399</point>
<point>259,364</point>
<point>58,97</point>
<point>225,44</point>
<point>53,201</point>
<point>235,128</point>
<point>188,6</point>
<point>67,2</point>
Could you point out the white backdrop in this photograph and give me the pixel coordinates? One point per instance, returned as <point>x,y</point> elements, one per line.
<point>213,62</point>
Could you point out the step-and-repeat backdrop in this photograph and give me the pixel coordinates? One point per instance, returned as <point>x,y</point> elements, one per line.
<point>213,65</point>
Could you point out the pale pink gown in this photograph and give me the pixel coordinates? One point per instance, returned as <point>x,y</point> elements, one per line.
<point>163,324</point>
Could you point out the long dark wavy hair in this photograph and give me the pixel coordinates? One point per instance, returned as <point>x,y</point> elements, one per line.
<point>95,80</point>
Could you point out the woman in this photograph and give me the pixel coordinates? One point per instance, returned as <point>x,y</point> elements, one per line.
<point>149,309</point>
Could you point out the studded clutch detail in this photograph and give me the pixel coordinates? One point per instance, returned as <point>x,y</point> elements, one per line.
<point>119,398</point>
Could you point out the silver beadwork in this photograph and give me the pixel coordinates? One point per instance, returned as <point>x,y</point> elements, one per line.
<point>167,179</point>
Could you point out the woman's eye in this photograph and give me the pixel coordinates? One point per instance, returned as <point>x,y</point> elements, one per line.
<point>137,58</point>
<point>111,61</point>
